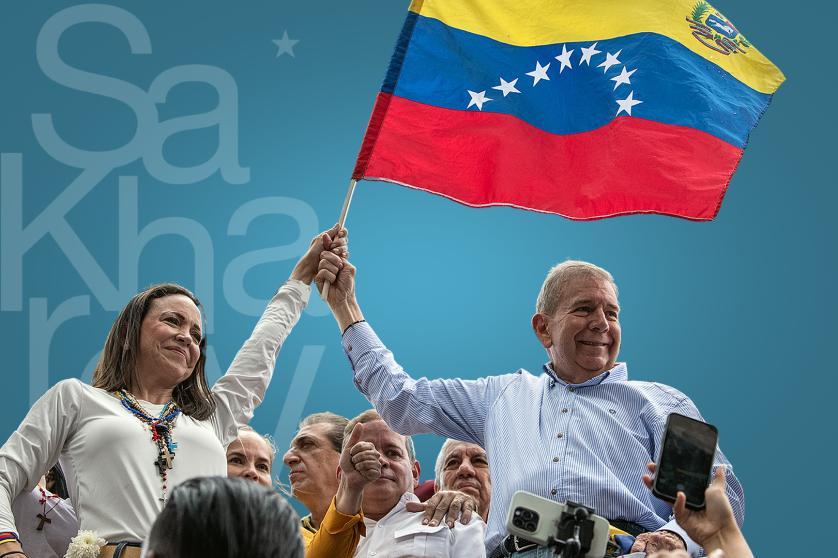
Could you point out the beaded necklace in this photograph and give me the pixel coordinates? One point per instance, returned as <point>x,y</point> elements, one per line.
<point>43,500</point>
<point>161,433</point>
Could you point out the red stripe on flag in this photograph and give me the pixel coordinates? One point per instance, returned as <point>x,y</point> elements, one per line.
<point>630,165</point>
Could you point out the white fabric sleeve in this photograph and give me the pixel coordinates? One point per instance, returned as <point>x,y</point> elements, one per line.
<point>242,388</point>
<point>36,444</point>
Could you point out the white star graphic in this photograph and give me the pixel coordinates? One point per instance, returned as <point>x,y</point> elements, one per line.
<point>539,73</point>
<point>285,45</point>
<point>478,99</point>
<point>627,103</point>
<point>610,60</point>
<point>564,58</point>
<point>507,86</point>
<point>587,53</point>
<point>622,78</point>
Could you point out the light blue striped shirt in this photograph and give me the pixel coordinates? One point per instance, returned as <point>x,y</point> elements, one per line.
<point>588,443</point>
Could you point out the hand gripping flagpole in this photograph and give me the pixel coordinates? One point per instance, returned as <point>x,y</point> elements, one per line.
<point>325,294</point>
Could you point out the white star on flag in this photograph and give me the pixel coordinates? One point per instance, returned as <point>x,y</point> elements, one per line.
<point>622,78</point>
<point>587,53</point>
<point>506,87</point>
<point>564,58</point>
<point>610,60</point>
<point>539,73</point>
<point>478,99</point>
<point>627,103</point>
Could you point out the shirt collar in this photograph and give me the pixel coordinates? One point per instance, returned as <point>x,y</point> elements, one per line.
<point>619,373</point>
<point>400,505</point>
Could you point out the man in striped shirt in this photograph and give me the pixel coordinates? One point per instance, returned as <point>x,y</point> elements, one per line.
<point>580,431</point>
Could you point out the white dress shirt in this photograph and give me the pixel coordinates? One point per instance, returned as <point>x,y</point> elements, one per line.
<point>400,534</point>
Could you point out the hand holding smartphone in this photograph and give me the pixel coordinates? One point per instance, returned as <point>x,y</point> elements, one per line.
<point>686,460</point>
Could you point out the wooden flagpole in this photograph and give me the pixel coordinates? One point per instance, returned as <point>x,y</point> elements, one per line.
<point>325,294</point>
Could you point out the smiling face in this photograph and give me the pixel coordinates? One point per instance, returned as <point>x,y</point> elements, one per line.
<point>250,457</point>
<point>170,337</point>
<point>465,467</point>
<point>312,462</point>
<point>582,336</point>
<point>399,473</point>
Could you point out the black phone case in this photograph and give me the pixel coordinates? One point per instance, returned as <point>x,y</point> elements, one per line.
<point>671,497</point>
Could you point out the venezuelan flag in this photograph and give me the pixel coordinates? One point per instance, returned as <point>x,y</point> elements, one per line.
<point>585,108</point>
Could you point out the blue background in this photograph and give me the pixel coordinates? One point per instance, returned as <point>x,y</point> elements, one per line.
<point>739,313</point>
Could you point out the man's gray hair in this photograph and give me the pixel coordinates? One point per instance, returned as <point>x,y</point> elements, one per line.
<point>560,275</point>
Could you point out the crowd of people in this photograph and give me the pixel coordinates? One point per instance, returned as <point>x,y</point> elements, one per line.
<point>150,461</point>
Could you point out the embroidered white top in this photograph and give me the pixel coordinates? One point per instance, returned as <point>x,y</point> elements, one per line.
<point>107,454</point>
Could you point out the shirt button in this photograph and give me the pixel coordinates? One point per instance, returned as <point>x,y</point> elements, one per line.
<point>570,389</point>
<point>554,492</point>
<point>559,435</point>
<point>555,460</point>
<point>564,410</point>
<point>349,348</point>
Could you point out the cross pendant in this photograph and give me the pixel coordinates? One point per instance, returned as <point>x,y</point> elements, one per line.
<point>41,520</point>
<point>167,457</point>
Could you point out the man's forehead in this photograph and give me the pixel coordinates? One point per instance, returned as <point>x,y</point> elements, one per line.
<point>464,448</point>
<point>317,431</point>
<point>590,289</point>
<point>377,430</point>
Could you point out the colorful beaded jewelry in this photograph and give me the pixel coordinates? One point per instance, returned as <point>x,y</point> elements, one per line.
<point>161,433</point>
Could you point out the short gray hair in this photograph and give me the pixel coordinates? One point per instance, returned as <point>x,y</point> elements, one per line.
<point>553,289</point>
<point>337,424</point>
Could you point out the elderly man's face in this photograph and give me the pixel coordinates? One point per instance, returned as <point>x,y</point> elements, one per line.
<point>465,467</point>
<point>583,335</point>
<point>312,462</point>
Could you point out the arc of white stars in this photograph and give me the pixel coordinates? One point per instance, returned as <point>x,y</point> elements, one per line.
<point>627,103</point>
<point>507,87</point>
<point>540,73</point>
<point>623,78</point>
<point>564,58</point>
<point>477,99</point>
<point>610,60</point>
<point>587,53</point>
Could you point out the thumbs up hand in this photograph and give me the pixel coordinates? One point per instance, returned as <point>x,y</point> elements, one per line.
<point>359,461</point>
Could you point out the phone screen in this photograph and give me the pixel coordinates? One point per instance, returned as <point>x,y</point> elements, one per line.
<point>686,460</point>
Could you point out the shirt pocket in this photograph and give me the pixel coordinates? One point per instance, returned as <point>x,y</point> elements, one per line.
<point>420,541</point>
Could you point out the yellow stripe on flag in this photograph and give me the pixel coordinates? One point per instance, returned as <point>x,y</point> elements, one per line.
<point>540,22</point>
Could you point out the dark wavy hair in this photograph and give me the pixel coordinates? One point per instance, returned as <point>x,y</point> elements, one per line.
<point>117,368</point>
<point>218,517</point>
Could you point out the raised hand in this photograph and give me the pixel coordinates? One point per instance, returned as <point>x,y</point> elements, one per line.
<point>360,464</point>
<point>334,240</point>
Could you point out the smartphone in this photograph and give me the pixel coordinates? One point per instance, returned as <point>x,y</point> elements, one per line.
<point>538,520</point>
<point>686,460</point>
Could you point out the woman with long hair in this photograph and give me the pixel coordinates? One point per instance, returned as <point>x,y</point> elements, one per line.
<point>149,421</point>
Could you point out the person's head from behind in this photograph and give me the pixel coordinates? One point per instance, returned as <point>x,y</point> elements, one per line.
<point>251,457</point>
<point>218,517</point>
<point>313,458</point>
<point>577,320</point>
<point>399,467</point>
<point>464,466</point>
